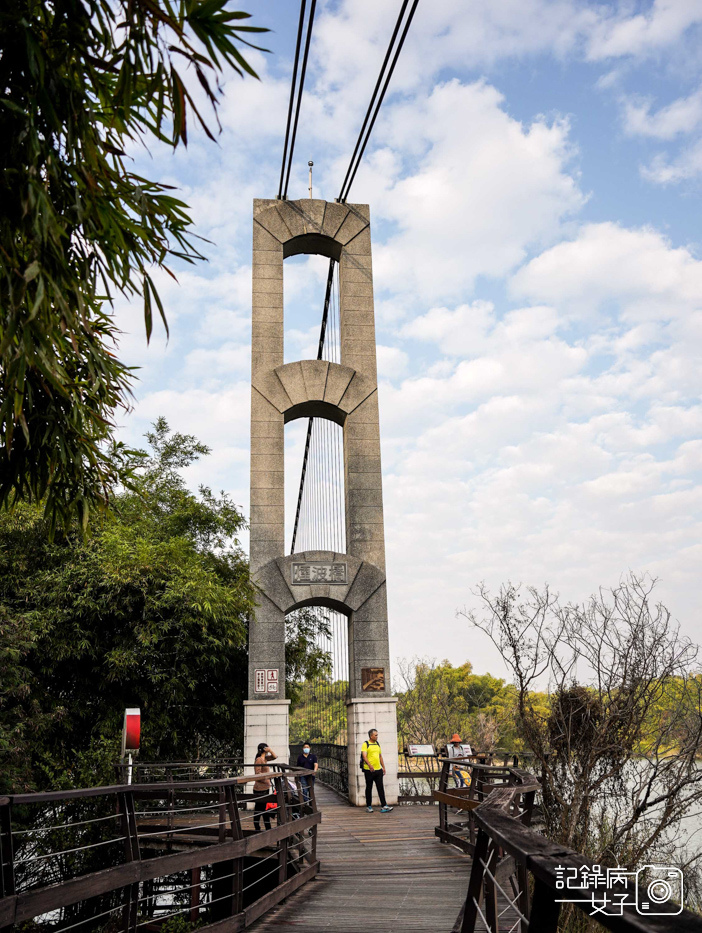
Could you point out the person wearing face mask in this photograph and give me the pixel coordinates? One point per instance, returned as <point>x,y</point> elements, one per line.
<point>307,760</point>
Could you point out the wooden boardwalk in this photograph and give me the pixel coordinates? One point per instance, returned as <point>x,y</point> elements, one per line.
<point>380,871</point>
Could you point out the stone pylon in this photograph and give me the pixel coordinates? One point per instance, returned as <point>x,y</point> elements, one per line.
<point>346,393</point>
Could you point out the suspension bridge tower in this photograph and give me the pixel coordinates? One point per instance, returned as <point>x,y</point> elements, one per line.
<point>345,392</point>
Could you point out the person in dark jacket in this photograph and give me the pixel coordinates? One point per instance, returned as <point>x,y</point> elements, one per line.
<point>307,760</point>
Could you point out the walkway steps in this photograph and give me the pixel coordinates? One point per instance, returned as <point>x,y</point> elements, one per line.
<point>379,871</point>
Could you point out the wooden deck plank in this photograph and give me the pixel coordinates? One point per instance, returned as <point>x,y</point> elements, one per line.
<point>378,871</point>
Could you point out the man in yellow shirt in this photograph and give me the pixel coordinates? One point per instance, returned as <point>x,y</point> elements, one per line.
<point>373,771</point>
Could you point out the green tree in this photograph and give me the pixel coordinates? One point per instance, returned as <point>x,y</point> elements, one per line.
<point>306,658</point>
<point>150,610</point>
<point>436,700</point>
<point>82,82</point>
<point>319,714</point>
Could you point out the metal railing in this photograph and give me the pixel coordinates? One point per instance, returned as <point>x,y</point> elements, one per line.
<point>516,882</point>
<point>333,764</point>
<point>148,772</point>
<point>129,857</point>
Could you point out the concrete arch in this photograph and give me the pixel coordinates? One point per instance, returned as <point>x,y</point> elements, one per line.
<point>314,388</point>
<point>310,225</point>
<point>362,581</point>
<point>361,596</point>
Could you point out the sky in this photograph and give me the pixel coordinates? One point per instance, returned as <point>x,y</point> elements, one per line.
<point>534,181</point>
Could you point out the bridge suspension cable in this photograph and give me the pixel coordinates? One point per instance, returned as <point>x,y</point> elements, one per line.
<point>386,72</point>
<point>319,516</point>
<point>378,95</point>
<point>295,92</point>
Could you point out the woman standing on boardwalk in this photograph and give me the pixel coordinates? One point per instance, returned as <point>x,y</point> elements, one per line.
<point>262,786</point>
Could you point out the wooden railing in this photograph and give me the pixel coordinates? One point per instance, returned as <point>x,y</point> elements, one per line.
<point>130,857</point>
<point>519,880</point>
<point>457,804</point>
<point>419,775</point>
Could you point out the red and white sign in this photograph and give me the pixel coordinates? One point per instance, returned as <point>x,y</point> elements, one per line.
<point>266,680</point>
<point>131,731</point>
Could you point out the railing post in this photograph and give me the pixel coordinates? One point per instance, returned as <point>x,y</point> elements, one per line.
<point>282,819</point>
<point>475,885</point>
<point>302,807</point>
<point>233,808</point>
<point>443,783</point>
<point>527,807</point>
<point>238,886</point>
<point>313,792</point>
<point>7,868</point>
<point>523,895</point>
<point>128,811</point>
<point>490,893</point>
<point>222,816</point>
<point>132,853</point>
<point>543,916</point>
<point>194,894</point>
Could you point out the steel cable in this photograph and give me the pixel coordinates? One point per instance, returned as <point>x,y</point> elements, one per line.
<point>293,84</point>
<point>377,99</point>
<point>285,169</point>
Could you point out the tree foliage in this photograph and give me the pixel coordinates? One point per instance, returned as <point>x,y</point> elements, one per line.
<point>319,714</point>
<point>435,700</point>
<point>151,611</point>
<point>81,82</point>
<point>306,658</point>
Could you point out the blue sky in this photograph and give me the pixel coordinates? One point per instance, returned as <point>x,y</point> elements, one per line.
<point>534,181</point>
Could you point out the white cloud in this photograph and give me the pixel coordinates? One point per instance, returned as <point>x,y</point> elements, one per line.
<point>679,117</point>
<point>468,330</point>
<point>686,165</point>
<point>620,33</point>
<point>392,362</point>
<point>485,188</point>
<point>218,418</point>
<point>606,262</point>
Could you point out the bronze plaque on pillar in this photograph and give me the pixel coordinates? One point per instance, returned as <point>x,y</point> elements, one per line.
<point>372,679</point>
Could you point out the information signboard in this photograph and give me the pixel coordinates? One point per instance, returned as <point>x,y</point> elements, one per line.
<point>131,730</point>
<point>266,680</point>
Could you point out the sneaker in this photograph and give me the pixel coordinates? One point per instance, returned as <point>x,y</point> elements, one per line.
<point>385,809</point>
<point>370,809</point>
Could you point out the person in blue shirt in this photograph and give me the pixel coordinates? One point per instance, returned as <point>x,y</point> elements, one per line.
<point>307,760</point>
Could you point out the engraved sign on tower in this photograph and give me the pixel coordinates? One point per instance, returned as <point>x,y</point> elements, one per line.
<point>346,393</point>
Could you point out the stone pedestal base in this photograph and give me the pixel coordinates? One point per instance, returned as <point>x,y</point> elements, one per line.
<point>266,721</point>
<point>366,713</point>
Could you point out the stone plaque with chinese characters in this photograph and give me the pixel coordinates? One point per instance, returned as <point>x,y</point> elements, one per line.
<point>319,572</point>
<point>372,679</point>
